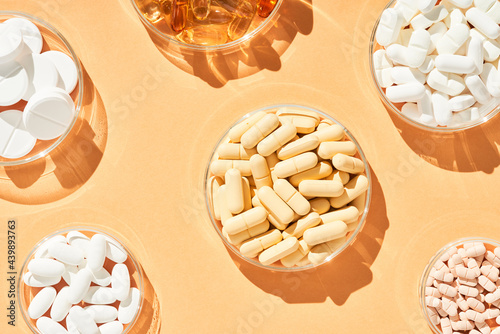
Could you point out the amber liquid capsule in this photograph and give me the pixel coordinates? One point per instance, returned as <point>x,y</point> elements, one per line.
<point>244,11</point>
<point>179,15</point>
<point>266,7</point>
<point>201,8</point>
<point>151,9</point>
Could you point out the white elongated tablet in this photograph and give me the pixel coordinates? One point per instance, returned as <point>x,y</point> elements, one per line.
<point>61,306</point>
<point>453,39</point>
<point>49,114</point>
<point>66,253</point>
<point>79,240</point>
<point>41,302</point>
<point>437,30</point>
<point>101,277</point>
<point>46,267</point>
<point>409,92</point>
<point>129,307</point>
<point>389,27</point>
<point>13,83</point>
<point>15,140</point>
<point>461,3</point>
<point>425,108</point>
<point>69,273</point>
<point>80,284</point>
<point>491,78</point>
<point>11,42</point>
<point>425,20</point>
<point>39,281</point>
<point>115,251</point>
<point>441,107</point>
<point>455,64</point>
<point>49,326</point>
<point>83,321</point>
<point>418,47</point>
<point>43,250</point>
<point>65,67</point>
<point>425,6</point>
<point>483,23</point>
<point>410,110</point>
<point>99,295</point>
<point>96,253</point>
<point>31,34</point>
<point>113,327</point>
<point>462,102</point>
<point>42,74</point>
<point>120,282</point>
<point>102,313</point>
<point>478,88</point>
<point>403,74</point>
<point>448,83</point>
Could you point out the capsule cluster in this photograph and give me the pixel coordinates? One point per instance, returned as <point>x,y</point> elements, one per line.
<point>206,22</point>
<point>462,292</point>
<point>287,187</point>
<point>74,292</point>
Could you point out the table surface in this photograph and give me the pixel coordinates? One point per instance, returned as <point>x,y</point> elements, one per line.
<point>136,168</point>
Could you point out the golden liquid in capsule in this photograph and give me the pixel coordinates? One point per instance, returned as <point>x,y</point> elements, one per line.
<point>201,8</point>
<point>266,7</point>
<point>204,35</point>
<point>179,15</point>
<point>151,10</point>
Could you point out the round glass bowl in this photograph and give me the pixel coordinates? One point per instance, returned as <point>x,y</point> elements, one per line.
<point>486,112</point>
<point>161,28</point>
<point>277,266</point>
<point>490,245</point>
<point>53,40</point>
<point>26,293</point>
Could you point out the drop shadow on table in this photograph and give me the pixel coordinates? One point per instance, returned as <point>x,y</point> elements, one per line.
<point>263,51</point>
<point>463,151</point>
<point>337,279</point>
<point>67,167</point>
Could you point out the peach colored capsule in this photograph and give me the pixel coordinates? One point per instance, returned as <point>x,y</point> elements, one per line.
<point>432,301</point>
<point>461,302</point>
<point>293,258</point>
<point>357,186</point>
<point>304,125</point>
<point>320,171</point>
<point>490,271</point>
<point>276,223</point>
<point>433,315</point>
<point>260,171</point>
<point>483,328</point>
<point>493,259</point>
<point>321,188</point>
<point>323,233</point>
<point>474,316</point>
<point>214,184</point>
<point>340,176</point>
<point>331,133</point>
<point>432,291</point>
<point>272,160</point>
<point>302,145</point>
<point>297,229</point>
<point>297,164</point>
<point>232,151</point>
<point>491,313</point>
<point>492,297</point>
<point>239,129</point>
<point>348,164</point>
<point>234,191</point>
<point>247,196</point>
<point>475,304</point>
<point>259,131</point>
<point>245,220</point>
<point>321,252</point>
<point>465,272</point>
<point>220,167</point>
<point>276,207</point>
<point>449,306</point>
<point>446,326</point>
<point>455,260</point>
<point>449,253</point>
<point>477,250</point>
<point>472,265</point>
<point>486,283</point>
<point>465,281</point>
<point>238,238</point>
<point>442,312</point>
<point>496,330</point>
<point>439,265</point>
<point>442,275</point>
<point>225,214</point>
<point>320,205</point>
<point>468,291</point>
<point>348,215</point>
<point>276,139</point>
<point>253,247</point>
<point>292,197</point>
<point>496,303</point>
<point>462,325</point>
<point>447,290</point>
<point>279,251</point>
<point>328,149</point>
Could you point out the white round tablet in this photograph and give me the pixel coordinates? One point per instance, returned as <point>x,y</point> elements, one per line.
<point>11,42</point>
<point>15,140</point>
<point>65,67</point>
<point>48,114</point>
<point>31,34</point>
<point>42,74</point>
<point>13,83</point>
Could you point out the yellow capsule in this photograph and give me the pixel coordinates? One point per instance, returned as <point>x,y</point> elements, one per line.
<point>179,15</point>
<point>204,35</point>
<point>201,8</point>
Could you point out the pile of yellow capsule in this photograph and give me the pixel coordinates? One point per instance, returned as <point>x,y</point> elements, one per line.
<point>205,22</point>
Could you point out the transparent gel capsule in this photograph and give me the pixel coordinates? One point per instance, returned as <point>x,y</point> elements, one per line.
<point>265,7</point>
<point>179,15</point>
<point>204,35</point>
<point>166,6</point>
<point>217,15</point>
<point>151,10</point>
<point>201,8</point>
<point>244,11</point>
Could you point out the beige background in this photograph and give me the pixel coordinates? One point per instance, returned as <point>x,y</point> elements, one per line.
<point>137,162</point>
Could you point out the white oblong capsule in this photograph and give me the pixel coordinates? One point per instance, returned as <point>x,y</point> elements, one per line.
<point>321,188</point>
<point>79,286</point>
<point>403,74</point>
<point>356,187</point>
<point>49,326</point>
<point>259,131</point>
<point>46,267</point>
<point>61,306</point>
<point>302,145</point>
<point>120,282</point>
<point>468,291</point>
<point>40,281</point>
<point>453,39</point>
<point>115,251</point>
<point>292,197</point>
<point>428,65</point>
<point>246,220</point>
<point>234,187</point>
<point>426,6</point>
<point>113,327</point>
<point>455,64</point>
<point>448,83</point>
<point>96,253</point>
<point>129,307</point>
<point>102,313</point>
<point>43,250</point>
<point>326,232</point>
<point>260,171</point>
<point>276,139</point>
<point>441,108</point>
<point>41,302</point>
<point>389,27</point>
<point>239,129</point>
<point>220,167</point>
<point>321,252</point>
<point>483,23</point>
<point>296,164</point>
<point>409,92</point>
<point>478,89</point>
<point>276,207</point>
<point>475,51</point>
<point>462,102</point>
<point>83,321</point>
<point>437,30</point>
<point>425,20</point>
<point>279,251</point>
<point>348,164</point>
<point>320,171</point>
<point>328,149</point>
<point>253,247</point>
<point>418,47</point>
<point>66,253</point>
<point>297,229</point>
<point>99,295</point>
<point>233,151</point>
<point>348,215</point>
<point>238,238</point>
<point>491,78</point>
<point>79,240</point>
<point>69,273</point>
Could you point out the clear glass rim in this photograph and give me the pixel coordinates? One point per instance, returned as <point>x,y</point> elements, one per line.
<point>432,261</point>
<point>80,228</point>
<point>399,114</point>
<point>78,104</point>
<point>220,47</point>
<point>354,233</point>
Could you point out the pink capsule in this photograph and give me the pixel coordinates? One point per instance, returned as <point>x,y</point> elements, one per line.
<point>465,272</point>
<point>483,328</point>
<point>486,283</point>
<point>479,258</point>
<point>462,325</point>
<point>472,265</point>
<point>439,265</point>
<point>468,291</point>
<point>475,304</point>
<point>446,326</point>
<point>456,259</point>
<point>493,258</point>
<point>432,302</point>
<point>448,254</point>
<point>433,315</point>
<point>492,297</point>
<point>450,307</point>
<point>461,302</point>
<point>465,281</point>
<point>432,291</point>
<point>488,270</point>
<point>475,316</point>
<point>491,313</point>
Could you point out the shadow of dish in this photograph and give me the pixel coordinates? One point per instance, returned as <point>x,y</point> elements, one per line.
<point>468,150</point>
<point>263,51</point>
<point>149,320</point>
<point>68,166</point>
<point>337,279</point>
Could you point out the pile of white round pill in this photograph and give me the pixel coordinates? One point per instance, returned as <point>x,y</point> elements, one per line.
<point>44,80</point>
<point>440,58</point>
<point>286,187</point>
<point>91,294</point>
<point>462,292</point>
